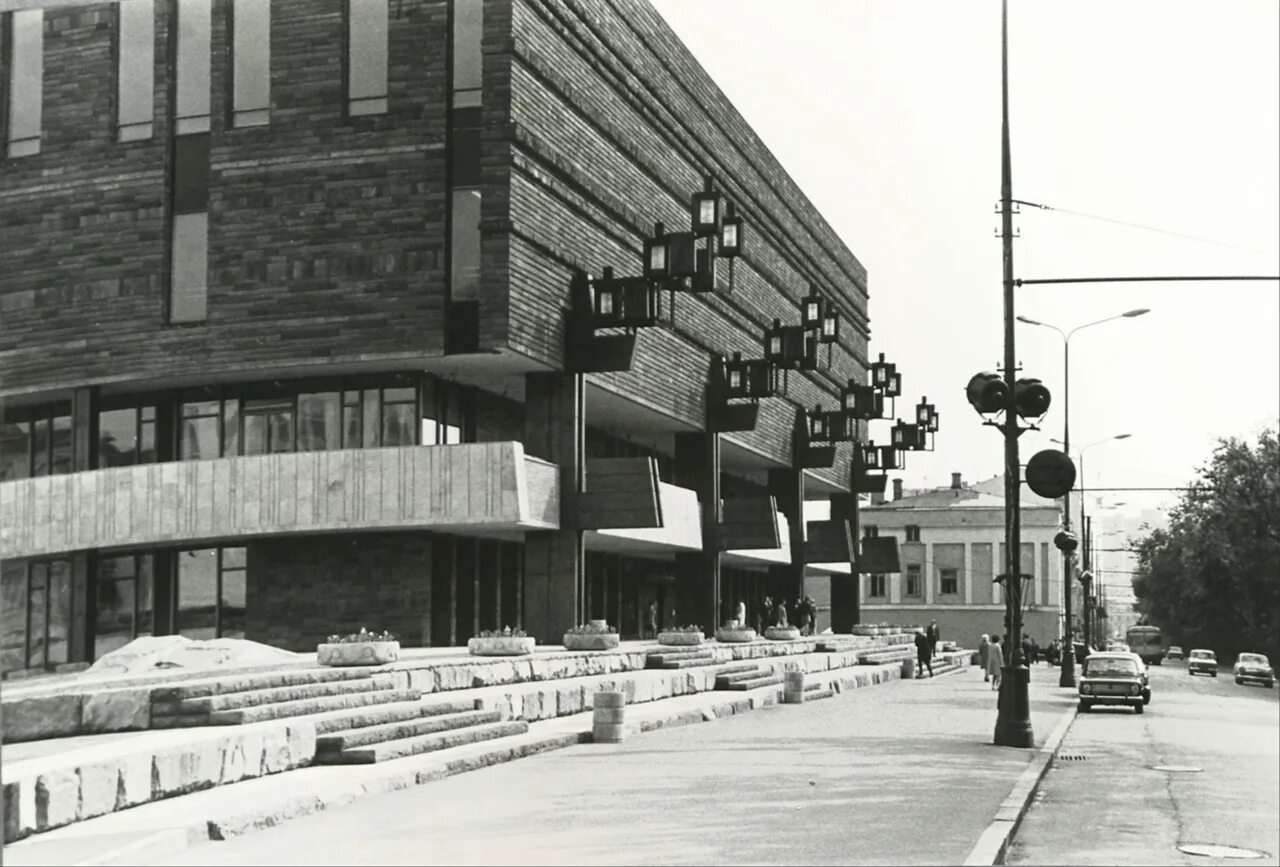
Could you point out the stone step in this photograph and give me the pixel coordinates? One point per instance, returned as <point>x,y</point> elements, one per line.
<point>379,714</point>
<point>723,680</point>
<point>310,706</point>
<point>394,731</point>
<point>272,695</point>
<point>689,662</point>
<point>403,747</point>
<point>815,694</point>
<point>259,680</point>
<point>736,667</point>
<point>756,682</point>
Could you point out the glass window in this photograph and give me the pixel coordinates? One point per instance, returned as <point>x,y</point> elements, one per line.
<point>465,245</point>
<point>913,580</point>
<point>118,437</point>
<point>200,429</point>
<point>366,56</point>
<point>37,614</point>
<point>949,581</point>
<point>268,426</point>
<point>26,81</point>
<point>195,24</point>
<point>123,593</point>
<point>13,615</point>
<point>60,445</point>
<point>468,20</point>
<point>198,593</point>
<point>397,424</point>
<point>232,594</point>
<point>371,416</point>
<point>319,428</point>
<point>15,450</point>
<point>351,423</point>
<point>870,531</point>
<point>231,427</point>
<point>40,447</point>
<point>913,533</point>
<point>877,585</point>
<point>190,272</point>
<point>135,81</point>
<point>251,67</point>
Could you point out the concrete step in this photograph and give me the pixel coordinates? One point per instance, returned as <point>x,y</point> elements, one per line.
<point>752,673</point>
<point>258,680</point>
<point>815,694</point>
<point>272,695</point>
<point>309,706</point>
<point>376,734</point>
<point>736,667</point>
<point>660,659</point>
<point>689,662</point>
<point>379,714</point>
<point>755,683</point>
<point>412,746</point>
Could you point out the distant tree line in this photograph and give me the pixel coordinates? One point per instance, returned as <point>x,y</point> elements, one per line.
<point>1212,579</point>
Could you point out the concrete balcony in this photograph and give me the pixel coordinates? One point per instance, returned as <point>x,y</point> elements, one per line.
<point>481,488</point>
<point>680,530</point>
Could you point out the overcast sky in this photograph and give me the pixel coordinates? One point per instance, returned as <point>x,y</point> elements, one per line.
<point>1164,114</point>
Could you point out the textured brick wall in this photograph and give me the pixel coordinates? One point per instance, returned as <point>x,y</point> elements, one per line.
<point>613,124</point>
<point>326,234</point>
<point>301,590</point>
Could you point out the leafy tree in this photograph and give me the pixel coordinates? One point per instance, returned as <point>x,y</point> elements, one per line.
<point>1212,579</point>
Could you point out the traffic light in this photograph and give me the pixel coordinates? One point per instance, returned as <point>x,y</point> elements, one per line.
<point>987,393</point>
<point>1031,397</point>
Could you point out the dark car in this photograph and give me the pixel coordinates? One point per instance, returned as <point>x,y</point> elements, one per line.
<point>1201,661</point>
<point>1111,678</point>
<point>1256,668</point>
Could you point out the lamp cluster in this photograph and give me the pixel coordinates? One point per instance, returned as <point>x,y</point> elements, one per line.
<point>686,261</point>
<point>795,347</point>
<point>869,402</point>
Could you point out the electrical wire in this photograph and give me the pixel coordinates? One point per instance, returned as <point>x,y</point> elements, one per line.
<point>1144,228</point>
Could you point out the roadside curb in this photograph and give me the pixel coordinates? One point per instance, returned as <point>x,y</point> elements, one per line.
<point>994,842</point>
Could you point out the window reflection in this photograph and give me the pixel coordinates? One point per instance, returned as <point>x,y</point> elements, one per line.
<point>319,428</point>
<point>212,593</point>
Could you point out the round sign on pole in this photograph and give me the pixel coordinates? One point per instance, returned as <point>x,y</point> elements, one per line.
<point>1050,473</point>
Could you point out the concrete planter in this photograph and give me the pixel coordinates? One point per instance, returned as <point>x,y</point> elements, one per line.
<point>863,629</point>
<point>735,634</point>
<point>782,633</point>
<point>591,641</point>
<point>679,639</point>
<point>501,645</point>
<point>358,653</point>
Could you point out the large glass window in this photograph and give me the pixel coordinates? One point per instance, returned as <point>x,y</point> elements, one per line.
<point>319,426</point>
<point>201,430</point>
<point>468,22</point>
<point>212,593</point>
<point>125,607</point>
<point>366,56</point>
<point>195,25</point>
<point>36,441</point>
<point>268,426</point>
<point>48,613</point>
<point>25,55</point>
<point>878,585</point>
<point>189,239</point>
<point>127,436</point>
<point>913,580</point>
<point>399,407</point>
<point>464,247</point>
<point>135,74</point>
<point>13,615</point>
<point>251,62</point>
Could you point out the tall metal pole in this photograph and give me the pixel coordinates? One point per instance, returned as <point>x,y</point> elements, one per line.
<point>1067,676</point>
<point>1013,720</point>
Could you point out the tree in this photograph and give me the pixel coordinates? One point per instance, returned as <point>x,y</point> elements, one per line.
<point>1212,579</point>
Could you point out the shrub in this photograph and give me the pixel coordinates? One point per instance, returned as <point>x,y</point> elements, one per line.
<point>681,629</point>
<point>590,629</point>
<point>361,636</point>
<point>507,632</point>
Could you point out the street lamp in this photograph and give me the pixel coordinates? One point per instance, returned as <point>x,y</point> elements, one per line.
<point>1067,677</point>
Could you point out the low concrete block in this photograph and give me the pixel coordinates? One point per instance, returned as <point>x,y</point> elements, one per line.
<point>568,700</point>
<point>19,808</point>
<point>40,717</point>
<point>275,751</point>
<point>57,799</point>
<point>133,783</point>
<point>608,733</point>
<point>118,710</point>
<point>302,743</point>
<point>531,705</point>
<point>99,785</point>
<point>186,768</point>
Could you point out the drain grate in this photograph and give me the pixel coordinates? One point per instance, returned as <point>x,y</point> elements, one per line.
<point>1216,850</point>
<point>1071,757</point>
<point>1178,769</point>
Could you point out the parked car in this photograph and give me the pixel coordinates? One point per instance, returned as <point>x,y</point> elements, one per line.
<point>1117,647</point>
<point>1112,678</point>
<point>1146,678</point>
<point>1175,652</point>
<point>1256,667</point>
<point>1202,662</point>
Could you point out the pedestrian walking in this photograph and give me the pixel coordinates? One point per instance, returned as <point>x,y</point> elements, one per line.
<point>995,661</point>
<point>740,613</point>
<point>923,658</point>
<point>933,634</point>
<point>652,625</point>
<point>984,644</point>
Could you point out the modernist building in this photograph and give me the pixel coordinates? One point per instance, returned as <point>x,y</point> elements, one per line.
<point>951,548</point>
<point>283,305</point>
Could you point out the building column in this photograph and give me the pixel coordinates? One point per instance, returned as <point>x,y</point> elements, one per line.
<point>84,436</point>
<point>554,560</point>
<point>787,487</point>
<point>696,465</point>
<point>845,602</point>
<point>929,576</point>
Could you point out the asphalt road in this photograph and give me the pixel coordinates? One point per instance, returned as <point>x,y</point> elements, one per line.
<point>902,773</point>
<point>1110,807</point>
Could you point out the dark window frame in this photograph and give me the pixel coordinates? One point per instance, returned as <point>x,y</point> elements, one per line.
<point>945,575</point>
<point>878,586</point>
<point>912,533</point>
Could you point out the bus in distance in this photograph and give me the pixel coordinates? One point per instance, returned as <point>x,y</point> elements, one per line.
<point>1147,642</point>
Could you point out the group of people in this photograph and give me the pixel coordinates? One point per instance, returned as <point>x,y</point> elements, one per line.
<point>991,655</point>
<point>927,648</point>
<point>773,612</point>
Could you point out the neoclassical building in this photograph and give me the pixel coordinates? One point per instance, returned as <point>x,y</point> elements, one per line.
<point>286,302</point>
<point>951,547</point>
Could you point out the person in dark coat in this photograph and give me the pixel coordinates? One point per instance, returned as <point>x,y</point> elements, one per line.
<point>803,616</point>
<point>923,658</point>
<point>933,634</point>
<point>764,617</point>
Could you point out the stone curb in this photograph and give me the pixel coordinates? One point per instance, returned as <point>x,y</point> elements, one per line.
<point>994,842</point>
<point>172,841</point>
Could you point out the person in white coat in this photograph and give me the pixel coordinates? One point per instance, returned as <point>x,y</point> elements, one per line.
<point>995,661</point>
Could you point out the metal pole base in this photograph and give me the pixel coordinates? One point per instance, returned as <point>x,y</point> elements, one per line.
<point>1068,676</point>
<point>1013,723</point>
